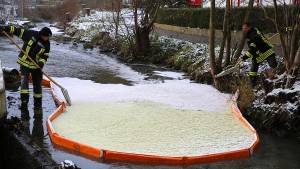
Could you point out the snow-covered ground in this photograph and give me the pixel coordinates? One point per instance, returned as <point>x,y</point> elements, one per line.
<point>55,31</point>
<point>103,21</point>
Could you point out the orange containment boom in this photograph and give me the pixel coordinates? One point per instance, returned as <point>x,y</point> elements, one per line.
<point>108,155</point>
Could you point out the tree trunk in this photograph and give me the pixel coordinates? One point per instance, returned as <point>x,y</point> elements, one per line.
<point>116,12</point>
<point>143,24</point>
<point>297,58</point>
<point>142,42</point>
<point>228,39</point>
<point>294,44</point>
<point>225,35</point>
<point>243,40</point>
<point>228,46</point>
<point>295,68</point>
<point>221,54</point>
<point>212,40</point>
<point>283,45</point>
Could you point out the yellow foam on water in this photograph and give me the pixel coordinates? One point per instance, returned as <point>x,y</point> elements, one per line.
<point>153,128</point>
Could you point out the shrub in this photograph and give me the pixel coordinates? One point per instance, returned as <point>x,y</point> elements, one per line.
<point>199,17</point>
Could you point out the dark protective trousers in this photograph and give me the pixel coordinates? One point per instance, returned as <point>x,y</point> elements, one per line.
<point>254,67</point>
<point>37,77</point>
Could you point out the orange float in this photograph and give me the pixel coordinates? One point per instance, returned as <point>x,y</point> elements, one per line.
<point>108,155</point>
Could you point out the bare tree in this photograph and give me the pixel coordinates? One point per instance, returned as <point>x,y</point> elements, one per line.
<point>243,40</point>
<point>289,39</point>
<point>212,40</point>
<point>226,37</point>
<point>145,13</point>
<point>116,11</point>
<point>278,29</point>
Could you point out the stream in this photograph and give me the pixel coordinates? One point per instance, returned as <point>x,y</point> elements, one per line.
<point>69,60</point>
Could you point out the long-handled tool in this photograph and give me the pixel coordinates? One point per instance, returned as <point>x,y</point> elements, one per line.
<point>63,90</point>
<point>230,70</point>
<point>236,67</point>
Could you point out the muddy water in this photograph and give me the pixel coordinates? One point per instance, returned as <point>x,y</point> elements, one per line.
<point>274,152</point>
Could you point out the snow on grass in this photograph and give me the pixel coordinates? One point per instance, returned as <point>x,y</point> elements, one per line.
<point>55,31</point>
<point>180,94</point>
<point>103,21</point>
<point>195,53</point>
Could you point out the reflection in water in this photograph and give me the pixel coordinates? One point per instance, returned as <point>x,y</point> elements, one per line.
<point>25,120</point>
<point>38,129</point>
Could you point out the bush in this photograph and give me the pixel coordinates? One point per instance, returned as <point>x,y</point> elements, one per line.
<point>199,18</point>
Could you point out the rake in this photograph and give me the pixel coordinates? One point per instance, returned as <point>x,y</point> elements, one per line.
<point>63,90</point>
<point>230,70</point>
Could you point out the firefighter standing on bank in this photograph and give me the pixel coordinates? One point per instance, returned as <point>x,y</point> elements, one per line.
<point>260,49</point>
<point>37,46</point>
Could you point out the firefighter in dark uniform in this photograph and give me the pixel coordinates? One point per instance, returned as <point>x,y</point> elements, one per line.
<point>260,49</point>
<point>37,46</point>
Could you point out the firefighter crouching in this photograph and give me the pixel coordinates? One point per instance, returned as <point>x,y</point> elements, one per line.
<point>37,46</point>
<point>260,49</point>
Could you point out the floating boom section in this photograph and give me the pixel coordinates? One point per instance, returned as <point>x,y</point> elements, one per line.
<point>107,155</point>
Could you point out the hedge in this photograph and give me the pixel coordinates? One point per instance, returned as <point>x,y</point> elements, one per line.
<point>199,17</point>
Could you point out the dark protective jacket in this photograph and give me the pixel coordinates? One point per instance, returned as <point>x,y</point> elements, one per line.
<point>34,46</point>
<point>260,48</point>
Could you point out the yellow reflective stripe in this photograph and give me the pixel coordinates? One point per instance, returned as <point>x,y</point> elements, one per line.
<point>249,54</point>
<point>42,60</point>
<point>12,29</point>
<point>37,95</point>
<point>24,91</point>
<point>30,42</point>
<point>264,39</point>
<point>24,57</point>
<point>252,73</point>
<point>26,63</point>
<point>252,44</point>
<point>47,54</point>
<point>263,56</point>
<point>41,51</point>
<point>38,55</point>
<point>21,34</point>
<point>27,49</point>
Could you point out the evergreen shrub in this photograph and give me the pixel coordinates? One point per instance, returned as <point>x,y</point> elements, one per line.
<point>199,18</point>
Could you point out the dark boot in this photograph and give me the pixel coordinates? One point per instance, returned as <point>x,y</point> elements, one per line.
<point>24,101</point>
<point>253,81</point>
<point>37,103</point>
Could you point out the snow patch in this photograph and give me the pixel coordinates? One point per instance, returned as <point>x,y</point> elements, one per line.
<point>181,94</point>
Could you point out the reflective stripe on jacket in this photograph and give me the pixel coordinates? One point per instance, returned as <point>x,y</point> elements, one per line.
<point>260,47</point>
<point>33,45</point>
